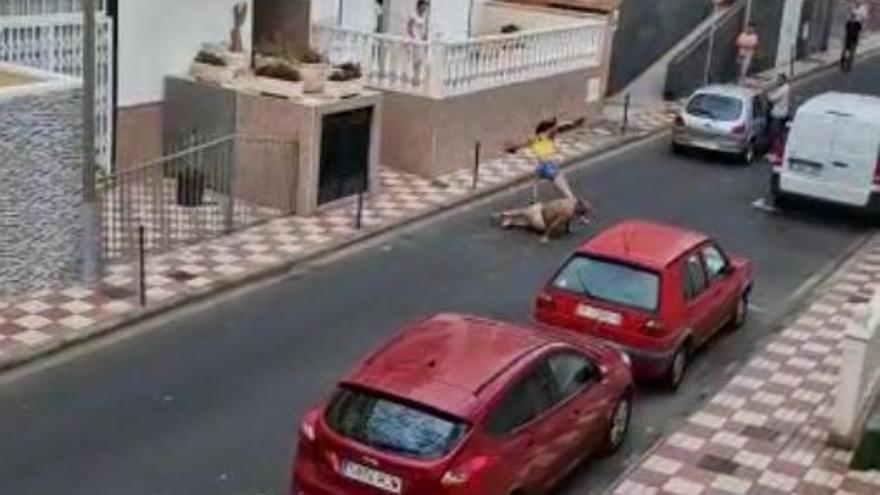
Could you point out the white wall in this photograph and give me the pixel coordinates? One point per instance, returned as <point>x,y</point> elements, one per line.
<point>449,19</point>
<point>160,37</point>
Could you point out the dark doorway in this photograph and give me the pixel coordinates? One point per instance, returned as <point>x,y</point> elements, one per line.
<point>345,154</point>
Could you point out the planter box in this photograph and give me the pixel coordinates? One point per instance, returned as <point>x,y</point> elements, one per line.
<point>212,73</point>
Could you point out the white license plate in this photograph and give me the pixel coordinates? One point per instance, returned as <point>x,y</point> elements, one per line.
<point>369,476</point>
<point>593,313</point>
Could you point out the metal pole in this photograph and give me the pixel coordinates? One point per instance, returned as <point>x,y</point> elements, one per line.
<point>359,217</point>
<point>748,17</point>
<point>625,122</point>
<point>711,52</point>
<point>792,57</point>
<point>476,180</point>
<point>142,267</point>
<point>91,211</point>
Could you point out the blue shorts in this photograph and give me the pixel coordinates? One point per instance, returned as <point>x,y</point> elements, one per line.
<point>547,170</point>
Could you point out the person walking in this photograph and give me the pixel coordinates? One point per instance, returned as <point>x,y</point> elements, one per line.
<point>850,41</point>
<point>780,98</point>
<point>746,44</point>
<point>550,218</point>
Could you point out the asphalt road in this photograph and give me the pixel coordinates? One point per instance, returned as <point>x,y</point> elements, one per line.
<point>209,402</point>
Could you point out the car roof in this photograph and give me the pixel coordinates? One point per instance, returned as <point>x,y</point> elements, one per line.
<point>444,362</point>
<point>649,244</point>
<point>733,90</point>
<point>862,106</point>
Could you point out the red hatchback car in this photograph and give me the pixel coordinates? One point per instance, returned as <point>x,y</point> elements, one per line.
<point>462,405</point>
<point>656,292</point>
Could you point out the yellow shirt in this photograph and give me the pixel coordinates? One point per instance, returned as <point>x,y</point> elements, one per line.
<point>543,148</point>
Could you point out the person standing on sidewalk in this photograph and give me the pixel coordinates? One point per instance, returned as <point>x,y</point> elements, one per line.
<point>746,43</point>
<point>780,98</point>
<point>850,41</point>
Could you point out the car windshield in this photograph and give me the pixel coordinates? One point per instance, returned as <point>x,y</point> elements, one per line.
<point>388,425</point>
<point>715,107</point>
<point>610,281</point>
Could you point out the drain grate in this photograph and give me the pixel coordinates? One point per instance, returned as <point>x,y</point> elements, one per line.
<point>761,433</point>
<point>114,292</point>
<point>180,276</point>
<point>719,465</point>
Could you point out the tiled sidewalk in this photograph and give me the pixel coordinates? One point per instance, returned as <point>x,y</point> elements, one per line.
<point>39,322</point>
<point>765,432</point>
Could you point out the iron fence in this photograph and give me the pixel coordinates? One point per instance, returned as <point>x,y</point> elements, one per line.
<point>204,189</point>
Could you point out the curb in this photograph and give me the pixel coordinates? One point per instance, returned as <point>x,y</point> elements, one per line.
<point>194,296</point>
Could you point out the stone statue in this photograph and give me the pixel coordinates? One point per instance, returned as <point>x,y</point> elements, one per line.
<point>239,13</point>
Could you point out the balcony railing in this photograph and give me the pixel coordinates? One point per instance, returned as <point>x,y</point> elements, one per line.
<point>41,7</point>
<point>53,42</point>
<point>440,69</point>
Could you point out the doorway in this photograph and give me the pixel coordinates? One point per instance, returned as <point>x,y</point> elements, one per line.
<point>345,154</point>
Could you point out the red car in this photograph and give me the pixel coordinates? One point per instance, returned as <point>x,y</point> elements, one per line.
<point>462,405</point>
<point>656,292</point>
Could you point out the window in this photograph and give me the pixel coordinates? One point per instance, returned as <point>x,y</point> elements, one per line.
<point>571,372</point>
<point>610,281</point>
<point>388,425</point>
<point>694,278</point>
<point>715,107</point>
<point>525,401</point>
<point>716,263</point>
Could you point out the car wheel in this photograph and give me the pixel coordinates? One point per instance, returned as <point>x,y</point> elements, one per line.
<point>741,312</point>
<point>678,149</point>
<point>748,155</point>
<point>618,426</point>
<point>678,368</point>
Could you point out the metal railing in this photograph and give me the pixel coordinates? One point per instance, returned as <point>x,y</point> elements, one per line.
<point>439,69</point>
<point>39,7</point>
<point>53,43</point>
<point>859,381</point>
<point>204,190</point>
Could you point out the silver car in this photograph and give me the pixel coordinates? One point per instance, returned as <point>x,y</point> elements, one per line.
<point>724,118</point>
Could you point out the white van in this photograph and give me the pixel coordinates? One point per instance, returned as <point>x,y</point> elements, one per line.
<point>833,152</point>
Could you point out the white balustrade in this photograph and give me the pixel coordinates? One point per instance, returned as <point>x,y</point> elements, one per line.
<point>440,69</point>
<point>54,43</point>
<point>37,7</point>
<point>859,380</point>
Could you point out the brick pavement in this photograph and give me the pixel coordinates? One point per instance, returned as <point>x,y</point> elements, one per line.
<point>42,321</point>
<point>766,431</point>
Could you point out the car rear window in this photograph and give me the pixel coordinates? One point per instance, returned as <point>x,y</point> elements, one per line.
<point>610,281</point>
<point>393,426</point>
<point>715,107</point>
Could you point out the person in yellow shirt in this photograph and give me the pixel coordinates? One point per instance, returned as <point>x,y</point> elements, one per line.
<point>543,147</point>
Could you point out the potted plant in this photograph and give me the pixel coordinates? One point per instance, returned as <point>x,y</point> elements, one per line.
<point>276,76</point>
<point>210,67</point>
<point>313,70</point>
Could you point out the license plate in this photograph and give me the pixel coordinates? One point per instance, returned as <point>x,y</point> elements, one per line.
<point>593,313</point>
<point>371,477</point>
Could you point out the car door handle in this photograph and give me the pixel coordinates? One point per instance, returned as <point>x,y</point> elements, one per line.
<point>840,164</point>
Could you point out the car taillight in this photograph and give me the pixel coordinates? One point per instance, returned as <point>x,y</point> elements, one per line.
<point>679,121</point>
<point>546,301</point>
<point>653,327</point>
<point>739,130</point>
<point>466,472</point>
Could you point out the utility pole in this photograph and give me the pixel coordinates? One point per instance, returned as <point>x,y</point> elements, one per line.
<point>710,53</point>
<point>748,16</point>
<point>91,268</point>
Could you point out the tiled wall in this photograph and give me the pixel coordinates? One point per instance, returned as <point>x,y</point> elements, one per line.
<point>40,189</point>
